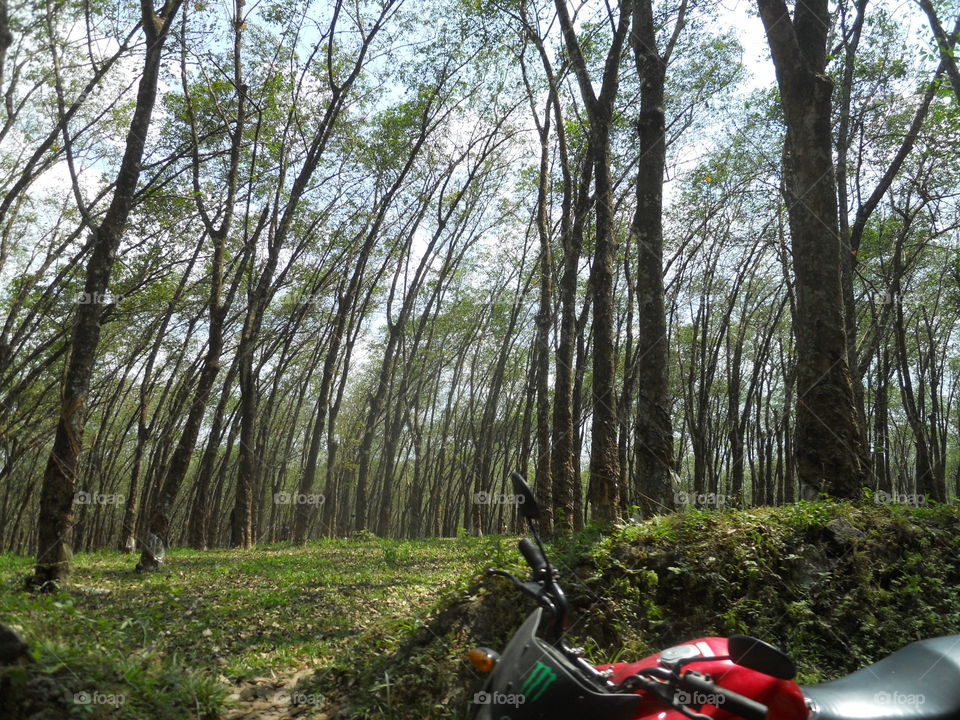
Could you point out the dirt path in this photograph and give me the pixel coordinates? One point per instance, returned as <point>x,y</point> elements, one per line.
<point>272,699</point>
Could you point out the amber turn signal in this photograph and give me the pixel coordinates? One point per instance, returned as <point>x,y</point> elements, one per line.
<point>483,659</point>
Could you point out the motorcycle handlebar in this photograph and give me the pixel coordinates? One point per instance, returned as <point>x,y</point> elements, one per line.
<point>533,556</point>
<point>732,702</point>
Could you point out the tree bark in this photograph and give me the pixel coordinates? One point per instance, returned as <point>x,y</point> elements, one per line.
<point>604,455</point>
<point>829,449</point>
<point>541,352</point>
<point>55,522</point>
<point>654,463</point>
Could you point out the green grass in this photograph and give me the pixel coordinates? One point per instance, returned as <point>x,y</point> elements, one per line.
<point>173,643</point>
<point>837,585</point>
<point>384,624</point>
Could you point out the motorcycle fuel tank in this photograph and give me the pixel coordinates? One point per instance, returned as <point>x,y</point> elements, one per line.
<point>783,697</point>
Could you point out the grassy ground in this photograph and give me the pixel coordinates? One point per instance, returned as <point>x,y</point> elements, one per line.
<point>366,629</point>
<point>216,624</point>
<point>835,585</point>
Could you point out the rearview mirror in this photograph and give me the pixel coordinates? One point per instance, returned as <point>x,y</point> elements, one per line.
<point>760,656</point>
<point>526,502</point>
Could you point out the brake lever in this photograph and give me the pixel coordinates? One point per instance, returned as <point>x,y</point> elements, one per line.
<point>645,679</point>
<point>664,690</point>
<point>536,590</point>
<point>533,589</point>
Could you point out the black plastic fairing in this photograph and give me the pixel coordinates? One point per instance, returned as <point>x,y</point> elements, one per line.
<point>534,681</point>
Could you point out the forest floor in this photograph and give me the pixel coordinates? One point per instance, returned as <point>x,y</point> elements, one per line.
<point>217,634</point>
<point>365,628</point>
<point>835,585</point>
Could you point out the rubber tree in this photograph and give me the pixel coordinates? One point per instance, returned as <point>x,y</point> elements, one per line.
<point>157,532</point>
<point>340,83</point>
<point>55,522</point>
<point>604,455</point>
<point>574,209</point>
<point>829,444</point>
<point>653,431</point>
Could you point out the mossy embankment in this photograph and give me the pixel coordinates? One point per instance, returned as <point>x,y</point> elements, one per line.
<point>834,584</point>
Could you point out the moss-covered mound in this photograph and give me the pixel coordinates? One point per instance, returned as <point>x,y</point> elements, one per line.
<point>835,585</point>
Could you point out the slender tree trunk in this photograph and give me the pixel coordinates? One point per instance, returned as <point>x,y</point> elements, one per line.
<point>881,438</point>
<point>55,523</point>
<point>544,481</point>
<point>580,369</point>
<point>604,455</point>
<point>734,426</point>
<point>248,467</point>
<point>653,434</point>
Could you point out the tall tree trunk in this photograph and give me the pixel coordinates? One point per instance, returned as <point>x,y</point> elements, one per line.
<point>541,369</point>
<point>653,434</point>
<point>248,465</point>
<point>580,369</point>
<point>734,426</point>
<point>55,522</point>
<point>563,462</point>
<point>881,433</point>
<point>604,455</point>
<point>604,458</point>
<point>829,449</point>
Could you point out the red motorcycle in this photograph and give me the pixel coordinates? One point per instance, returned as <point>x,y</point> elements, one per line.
<point>538,677</point>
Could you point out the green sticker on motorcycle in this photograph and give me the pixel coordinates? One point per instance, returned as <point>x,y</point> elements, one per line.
<point>538,681</point>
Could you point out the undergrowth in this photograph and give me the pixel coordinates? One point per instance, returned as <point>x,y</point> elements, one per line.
<point>385,624</point>
<point>836,585</point>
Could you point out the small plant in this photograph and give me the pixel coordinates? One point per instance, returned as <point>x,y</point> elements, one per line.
<point>396,554</point>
